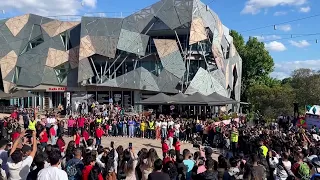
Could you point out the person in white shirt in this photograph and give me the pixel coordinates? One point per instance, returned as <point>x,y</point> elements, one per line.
<point>170,123</point>
<point>176,129</point>
<point>53,172</point>
<point>164,126</point>
<point>19,168</point>
<point>4,156</point>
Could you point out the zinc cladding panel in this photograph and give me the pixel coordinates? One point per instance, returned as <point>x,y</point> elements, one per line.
<point>148,81</point>
<point>85,71</point>
<point>167,82</point>
<point>30,77</point>
<point>49,76</point>
<point>184,10</point>
<point>174,64</point>
<point>139,21</point>
<point>168,15</point>
<point>130,80</point>
<point>132,42</point>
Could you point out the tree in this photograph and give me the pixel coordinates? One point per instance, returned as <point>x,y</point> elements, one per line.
<point>257,64</point>
<point>306,82</point>
<point>272,101</point>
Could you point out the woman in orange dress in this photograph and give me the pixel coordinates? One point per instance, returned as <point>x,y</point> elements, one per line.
<point>158,126</point>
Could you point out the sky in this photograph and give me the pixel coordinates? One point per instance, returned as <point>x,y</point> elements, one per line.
<point>291,42</point>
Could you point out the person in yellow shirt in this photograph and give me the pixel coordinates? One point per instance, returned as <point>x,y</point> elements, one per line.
<point>151,129</point>
<point>32,124</point>
<point>143,127</point>
<point>263,149</point>
<point>234,141</point>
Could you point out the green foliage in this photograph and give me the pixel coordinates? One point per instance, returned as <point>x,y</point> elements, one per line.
<point>269,96</point>
<point>272,101</point>
<point>257,64</point>
<point>306,82</point>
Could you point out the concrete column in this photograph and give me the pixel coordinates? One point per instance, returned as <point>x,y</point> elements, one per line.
<point>137,98</point>
<point>50,100</point>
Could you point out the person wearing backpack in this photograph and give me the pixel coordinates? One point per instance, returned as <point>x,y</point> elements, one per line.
<point>300,169</point>
<point>75,166</point>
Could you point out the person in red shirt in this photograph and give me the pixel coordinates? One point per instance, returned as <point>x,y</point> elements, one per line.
<point>16,134</point>
<point>43,137</point>
<point>89,164</point>
<point>99,134</point>
<point>170,157</point>
<point>165,148</point>
<point>77,138</point>
<point>85,134</point>
<point>81,120</point>
<point>61,143</point>
<point>107,130</point>
<point>176,144</point>
<point>14,114</point>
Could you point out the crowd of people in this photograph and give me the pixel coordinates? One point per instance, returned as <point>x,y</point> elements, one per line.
<point>38,150</point>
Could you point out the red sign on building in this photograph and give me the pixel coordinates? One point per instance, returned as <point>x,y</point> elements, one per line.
<point>56,89</point>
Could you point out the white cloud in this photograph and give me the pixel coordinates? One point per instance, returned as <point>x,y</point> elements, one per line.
<point>89,3</point>
<point>284,69</point>
<point>280,13</point>
<point>305,9</point>
<point>275,46</point>
<point>255,6</point>
<point>286,27</point>
<point>47,7</point>
<point>267,37</point>
<point>299,44</point>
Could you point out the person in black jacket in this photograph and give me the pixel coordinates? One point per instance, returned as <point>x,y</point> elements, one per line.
<point>210,173</point>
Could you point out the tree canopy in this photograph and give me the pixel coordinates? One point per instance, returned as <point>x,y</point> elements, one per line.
<point>272,97</point>
<point>257,64</point>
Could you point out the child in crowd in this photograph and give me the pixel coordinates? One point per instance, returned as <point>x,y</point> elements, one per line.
<point>165,147</point>
<point>76,138</point>
<point>176,144</point>
<point>53,135</point>
<point>85,134</point>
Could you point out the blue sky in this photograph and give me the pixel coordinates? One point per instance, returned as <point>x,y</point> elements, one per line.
<point>288,50</point>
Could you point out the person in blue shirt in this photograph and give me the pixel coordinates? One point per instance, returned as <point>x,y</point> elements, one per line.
<point>131,127</point>
<point>188,162</point>
<point>120,125</point>
<point>137,129</point>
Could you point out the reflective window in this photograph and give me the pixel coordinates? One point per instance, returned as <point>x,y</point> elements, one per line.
<point>62,71</point>
<point>16,74</point>
<point>33,43</point>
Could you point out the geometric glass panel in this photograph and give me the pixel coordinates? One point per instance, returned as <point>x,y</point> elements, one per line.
<point>62,71</point>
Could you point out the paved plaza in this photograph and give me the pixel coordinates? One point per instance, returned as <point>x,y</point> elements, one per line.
<point>139,143</point>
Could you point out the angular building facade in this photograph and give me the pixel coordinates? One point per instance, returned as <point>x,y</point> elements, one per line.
<point>171,46</point>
